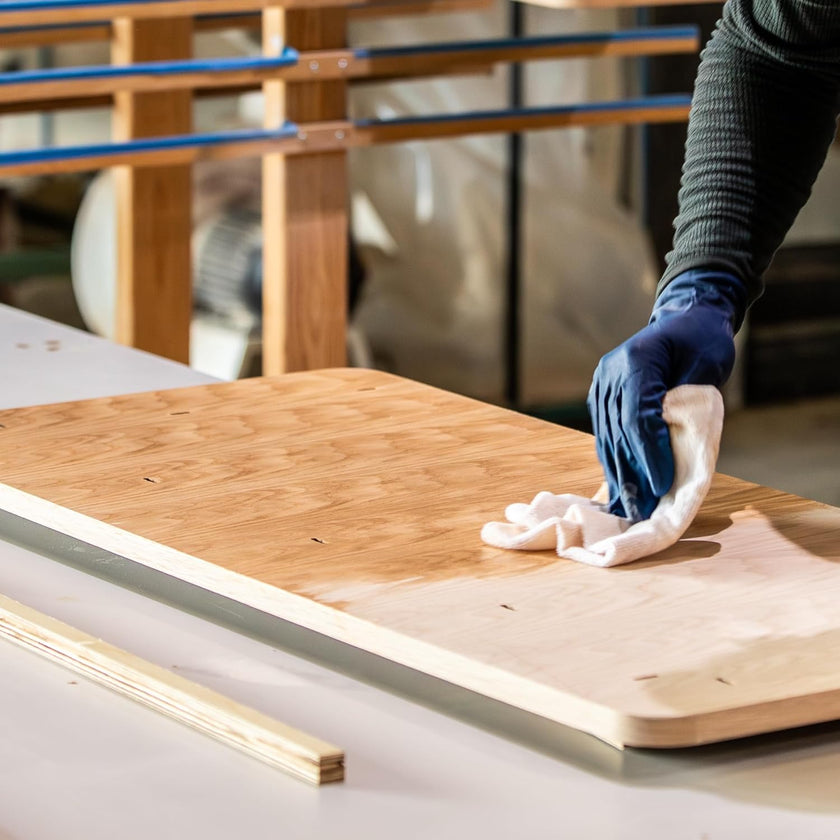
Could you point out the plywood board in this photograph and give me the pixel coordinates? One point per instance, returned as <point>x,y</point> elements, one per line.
<point>350,502</point>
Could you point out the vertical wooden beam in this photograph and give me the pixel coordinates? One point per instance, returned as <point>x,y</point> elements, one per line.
<point>304,209</point>
<point>154,205</point>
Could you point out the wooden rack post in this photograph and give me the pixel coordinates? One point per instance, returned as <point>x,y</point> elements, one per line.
<point>304,208</point>
<point>154,204</point>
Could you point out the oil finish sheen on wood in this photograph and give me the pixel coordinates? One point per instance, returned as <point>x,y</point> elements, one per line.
<point>350,502</point>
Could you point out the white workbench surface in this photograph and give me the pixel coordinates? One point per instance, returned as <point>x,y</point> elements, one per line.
<point>79,762</point>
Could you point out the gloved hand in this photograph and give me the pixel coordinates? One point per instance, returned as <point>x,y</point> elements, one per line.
<point>688,341</point>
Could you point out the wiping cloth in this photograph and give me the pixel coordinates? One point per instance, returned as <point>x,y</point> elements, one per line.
<point>582,529</point>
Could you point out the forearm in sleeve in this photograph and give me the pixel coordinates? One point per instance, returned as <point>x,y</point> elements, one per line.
<point>762,119</point>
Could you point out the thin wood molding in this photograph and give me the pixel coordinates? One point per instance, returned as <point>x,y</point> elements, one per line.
<point>200,708</point>
<point>46,35</point>
<point>336,135</point>
<point>51,86</point>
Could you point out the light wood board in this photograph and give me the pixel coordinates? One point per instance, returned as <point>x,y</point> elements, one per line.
<point>350,502</point>
<point>200,708</point>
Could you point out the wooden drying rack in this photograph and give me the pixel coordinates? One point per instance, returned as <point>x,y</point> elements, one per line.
<point>304,73</point>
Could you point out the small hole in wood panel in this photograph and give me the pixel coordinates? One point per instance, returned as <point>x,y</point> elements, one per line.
<point>151,479</point>
<point>722,680</point>
<point>646,677</point>
<point>507,607</point>
<point>315,539</point>
<point>176,413</point>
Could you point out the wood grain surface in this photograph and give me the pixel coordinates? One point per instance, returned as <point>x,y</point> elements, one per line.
<point>154,204</point>
<point>350,502</point>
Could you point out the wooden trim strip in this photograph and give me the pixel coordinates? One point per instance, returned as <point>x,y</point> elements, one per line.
<point>76,82</point>
<point>44,36</point>
<point>100,30</point>
<point>617,4</point>
<point>651,109</point>
<point>200,708</point>
<point>335,136</point>
<point>27,13</point>
<point>50,86</point>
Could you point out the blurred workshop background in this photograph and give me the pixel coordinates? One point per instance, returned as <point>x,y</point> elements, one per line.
<point>497,267</point>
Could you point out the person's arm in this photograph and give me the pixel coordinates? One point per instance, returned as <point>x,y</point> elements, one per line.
<point>762,119</point>
<point>763,116</point>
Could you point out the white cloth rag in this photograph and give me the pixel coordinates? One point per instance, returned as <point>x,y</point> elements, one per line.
<point>581,529</point>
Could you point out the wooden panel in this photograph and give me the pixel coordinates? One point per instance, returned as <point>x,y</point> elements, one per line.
<point>350,502</point>
<point>206,711</point>
<point>154,204</point>
<point>304,209</point>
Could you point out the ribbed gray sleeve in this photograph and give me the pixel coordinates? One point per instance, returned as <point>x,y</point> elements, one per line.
<point>762,119</point>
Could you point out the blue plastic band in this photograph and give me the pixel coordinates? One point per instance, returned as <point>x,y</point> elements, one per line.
<point>664,101</point>
<point>38,5</point>
<point>152,68</point>
<point>180,141</point>
<point>649,33</point>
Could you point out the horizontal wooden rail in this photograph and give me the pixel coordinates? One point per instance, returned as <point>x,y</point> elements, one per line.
<point>77,82</point>
<point>319,137</point>
<point>48,36</point>
<point>53,12</point>
<point>653,109</point>
<point>74,83</point>
<point>616,4</point>
<point>37,23</point>
<point>426,58</point>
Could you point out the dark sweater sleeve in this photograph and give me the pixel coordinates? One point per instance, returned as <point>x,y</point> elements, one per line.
<point>762,119</point>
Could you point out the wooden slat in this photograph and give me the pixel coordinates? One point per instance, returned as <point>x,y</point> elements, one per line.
<point>200,708</point>
<point>397,131</point>
<point>52,14</point>
<point>154,204</point>
<point>304,209</point>
<point>350,502</point>
<point>95,82</point>
<point>617,4</point>
<point>417,7</point>
<point>46,35</point>
<point>337,135</point>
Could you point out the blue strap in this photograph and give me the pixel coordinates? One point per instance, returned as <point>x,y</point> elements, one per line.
<point>583,38</point>
<point>663,101</point>
<point>37,5</point>
<point>179,141</point>
<point>288,57</point>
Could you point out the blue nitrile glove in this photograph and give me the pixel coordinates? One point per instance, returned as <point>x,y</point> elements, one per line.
<point>689,340</point>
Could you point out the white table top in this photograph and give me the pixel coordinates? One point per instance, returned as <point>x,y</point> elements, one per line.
<point>81,762</point>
